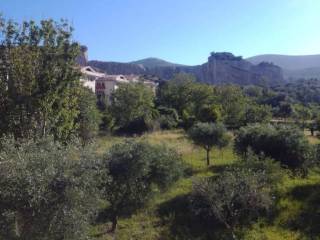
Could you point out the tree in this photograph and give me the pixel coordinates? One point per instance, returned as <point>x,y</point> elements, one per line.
<point>224,142</point>
<point>239,195</point>
<point>285,144</point>
<point>89,117</point>
<point>107,119</point>
<point>209,113</point>
<point>132,106</point>
<point>302,114</point>
<point>38,79</point>
<point>177,93</point>
<point>185,95</point>
<point>135,168</point>
<point>233,104</point>
<point>207,135</point>
<point>255,113</point>
<point>47,191</point>
<point>285,110</point>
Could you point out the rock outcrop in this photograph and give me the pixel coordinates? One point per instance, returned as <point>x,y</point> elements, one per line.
<point>82,59</point>
<point>223,68</point>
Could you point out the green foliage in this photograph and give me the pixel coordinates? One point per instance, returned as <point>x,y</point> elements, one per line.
<point>107,120</point>
<point>285,110</point>
<point>233,105</point>
<point>303,91</point>
<point>47,191</point>
<point>208,135</point>
<point>89,117</point>
<point>185,95</point>
<point>288,145</point>
<point>134,169</point>
<point>302,114</point>
<point>132,106</point>
<point>38,80</point>
<point>239,195</point>
<point>169,118</point>
<point>209,113</point>
<point>258,114</point>
<point>177,93</point>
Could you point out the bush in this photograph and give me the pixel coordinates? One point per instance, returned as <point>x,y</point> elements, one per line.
<point>239,195</point>
<point>169,118</point>
<point>46,190</point>
<point>288,145</point>
<point>134,169</point>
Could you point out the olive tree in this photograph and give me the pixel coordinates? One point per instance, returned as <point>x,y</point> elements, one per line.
<point>47,191</point>
<point>208,135</point>
<point>135,168</point>
<point>239,195</point>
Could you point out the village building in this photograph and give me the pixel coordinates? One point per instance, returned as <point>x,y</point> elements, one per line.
<point>103,84</point>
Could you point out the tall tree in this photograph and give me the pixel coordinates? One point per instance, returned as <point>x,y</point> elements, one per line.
<point>132,106</point>
<point>38,79</point>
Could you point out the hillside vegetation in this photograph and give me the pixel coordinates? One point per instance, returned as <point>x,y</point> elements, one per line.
<point>168,216</point>
<point>294,67</point>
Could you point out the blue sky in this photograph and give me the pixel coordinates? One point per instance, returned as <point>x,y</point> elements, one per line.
<point>182,31</point>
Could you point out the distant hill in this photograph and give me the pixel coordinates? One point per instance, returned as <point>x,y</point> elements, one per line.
<point>304,66</point>
<point>221,68</point>
<point>154,63</point>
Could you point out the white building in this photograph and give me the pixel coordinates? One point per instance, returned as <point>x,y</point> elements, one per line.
<point>103,84</point>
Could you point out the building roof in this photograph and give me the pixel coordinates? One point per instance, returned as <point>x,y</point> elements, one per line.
<point>87,70</point>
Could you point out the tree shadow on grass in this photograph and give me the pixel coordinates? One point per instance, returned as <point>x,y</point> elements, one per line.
<point>184,224</point>
<point>216,169</point>
<point>308,221</point>
<point>219,168</point>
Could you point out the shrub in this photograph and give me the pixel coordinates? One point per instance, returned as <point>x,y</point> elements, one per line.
<point>46,190</point>
<point>169,118</point>
<point>288,145</point>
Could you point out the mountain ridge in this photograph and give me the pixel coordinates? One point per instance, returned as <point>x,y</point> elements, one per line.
<point>294,66</point>
<point>152,62</point>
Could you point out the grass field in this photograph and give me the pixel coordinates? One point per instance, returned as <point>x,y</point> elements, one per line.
<point>167,216</point>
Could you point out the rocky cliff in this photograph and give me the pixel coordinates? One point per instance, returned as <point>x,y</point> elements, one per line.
<point>221,68</point>
<point>224,68</point>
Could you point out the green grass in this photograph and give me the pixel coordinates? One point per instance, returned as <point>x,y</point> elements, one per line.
<point>167,216</point>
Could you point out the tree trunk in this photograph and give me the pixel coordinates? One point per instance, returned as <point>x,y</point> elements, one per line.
<point>114,221</point>
<point>17,226</point>
<point>208,157</point>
